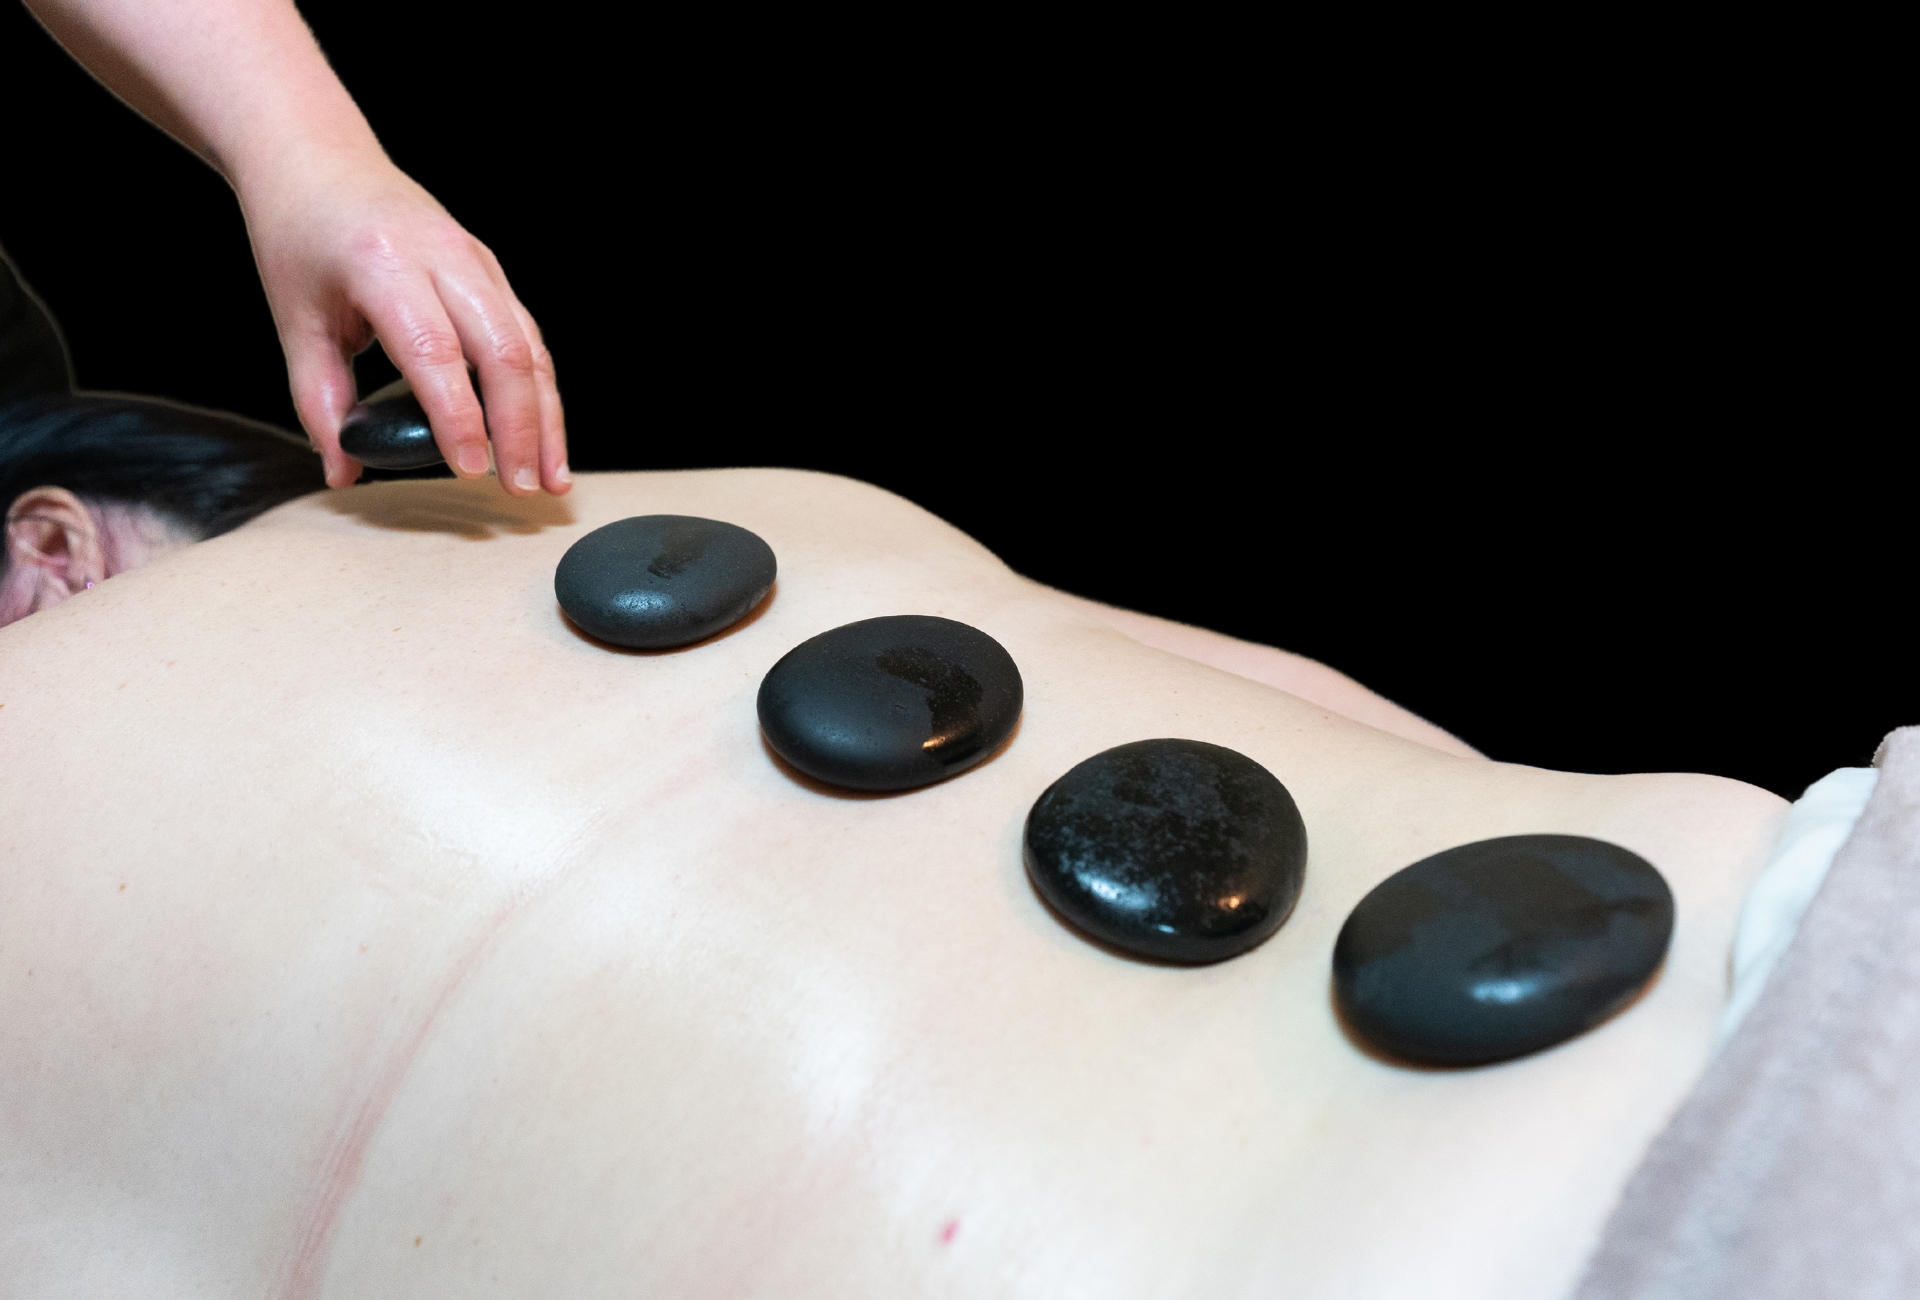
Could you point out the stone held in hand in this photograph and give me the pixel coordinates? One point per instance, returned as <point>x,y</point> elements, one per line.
<point>891,703</point>
<point>1502,947</point>
<point>389,430</point>
<point>1171,849</point>
<point>653,582</point>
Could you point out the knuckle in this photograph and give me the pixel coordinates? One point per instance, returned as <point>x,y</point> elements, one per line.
<point>432,346</point>
<point>514,435</point>
<point>450,234</point>
<point>374,249</point>
<point>513,354</point>
<point>458,432</point>
<point>464,421</point>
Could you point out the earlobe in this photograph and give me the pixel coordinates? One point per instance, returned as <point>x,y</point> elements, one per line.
<point>53,549</point>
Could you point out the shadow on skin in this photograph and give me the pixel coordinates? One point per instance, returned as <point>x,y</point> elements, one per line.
<point>753,616</point>
<point>471,508</point>
<point>800,778</point>
<point>1367,1049</point>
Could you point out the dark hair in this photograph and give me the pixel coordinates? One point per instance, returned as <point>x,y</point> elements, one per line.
<point>205,470</point>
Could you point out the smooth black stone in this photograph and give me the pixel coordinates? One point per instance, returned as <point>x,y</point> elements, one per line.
<point>891,703</point>
<point>1502,947</point>
<point>656,581</point>
<point>389,430</point>
<point>1172,849</point>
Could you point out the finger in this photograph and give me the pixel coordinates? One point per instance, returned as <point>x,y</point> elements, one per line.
<point>491,334</point>
<point>555,474</point>
<point>414,328</point>
<point>321,377</point>
<point>554,471</point>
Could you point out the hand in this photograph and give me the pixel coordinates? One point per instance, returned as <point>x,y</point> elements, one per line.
<point>350,248</point>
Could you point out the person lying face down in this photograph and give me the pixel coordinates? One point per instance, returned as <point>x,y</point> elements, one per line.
<point>370,930</point>
<point>97,484</point>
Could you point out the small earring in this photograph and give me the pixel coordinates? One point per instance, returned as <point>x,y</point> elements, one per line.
<point>89,584</point>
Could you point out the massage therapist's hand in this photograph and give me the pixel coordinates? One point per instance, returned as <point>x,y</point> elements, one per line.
<point>361,250</point>
<point>349,248</point>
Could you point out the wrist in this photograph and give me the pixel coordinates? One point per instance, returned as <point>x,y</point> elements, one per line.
<point>298,153</point>
<point>290,188</point>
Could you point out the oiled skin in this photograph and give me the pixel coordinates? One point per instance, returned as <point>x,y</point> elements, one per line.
<point>369,933</point>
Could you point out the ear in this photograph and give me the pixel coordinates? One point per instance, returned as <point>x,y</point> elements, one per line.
<point>53,550</point>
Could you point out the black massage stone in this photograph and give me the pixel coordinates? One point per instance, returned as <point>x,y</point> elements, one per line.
<point>1499,948</point>
<point>388,430</point>
<point>1172,849</point>
<point>656,581</point>
<point>891,703</point>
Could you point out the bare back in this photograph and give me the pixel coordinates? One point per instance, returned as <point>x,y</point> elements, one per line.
<point>369,932</point>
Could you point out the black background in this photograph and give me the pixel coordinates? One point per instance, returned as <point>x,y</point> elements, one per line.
<point>1558,409</point>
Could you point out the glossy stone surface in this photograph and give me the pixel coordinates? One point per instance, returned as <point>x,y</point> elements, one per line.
<point>891,703</point>
<point>388,430</point>
<point>1172,849</point>
<point>1501,947</point>
<point>656,581</point>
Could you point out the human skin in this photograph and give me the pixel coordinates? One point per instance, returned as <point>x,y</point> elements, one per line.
<point>338,960</point>
<point>57,545</point>
<point>348,246</point>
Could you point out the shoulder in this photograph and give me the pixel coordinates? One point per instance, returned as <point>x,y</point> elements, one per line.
<point>793,498</point>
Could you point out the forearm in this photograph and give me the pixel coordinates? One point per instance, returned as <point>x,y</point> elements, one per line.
<point>240,82</point>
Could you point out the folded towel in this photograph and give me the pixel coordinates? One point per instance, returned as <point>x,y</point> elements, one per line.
<point>1817,825</point>
<point>1793,1168</point>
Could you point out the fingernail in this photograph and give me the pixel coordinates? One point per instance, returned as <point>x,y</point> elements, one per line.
<point>525,479</point>
<point>473,460</point>
<point>563,474</point>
